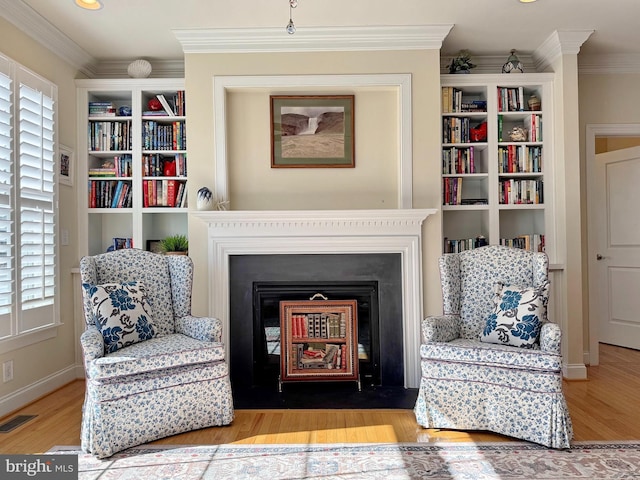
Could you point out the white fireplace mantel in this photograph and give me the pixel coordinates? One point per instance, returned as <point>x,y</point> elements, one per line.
<point>281,232</point>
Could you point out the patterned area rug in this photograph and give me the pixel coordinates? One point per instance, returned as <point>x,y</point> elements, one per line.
<point>468,461</point>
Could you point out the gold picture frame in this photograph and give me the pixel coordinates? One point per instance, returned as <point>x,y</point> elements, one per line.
<point>312,131</point>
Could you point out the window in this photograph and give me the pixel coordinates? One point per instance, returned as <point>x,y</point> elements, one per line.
<point>28,293</point>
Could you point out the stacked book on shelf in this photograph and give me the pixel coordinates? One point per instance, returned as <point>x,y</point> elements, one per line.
<point>164,193</point>
<point>462,244</point>
<point>109,194</point>
<point>534,242</point>
<point>119,243</point>
<point>318,325</point>
<point>120,166</point>
<point>458,160</point>
<point>453,102</point>
<point>511,99</point>
<point>110,135</point>
<point>514,191</point>
<point>533,125</point>
<point>102,109</point>
<point>319,355</point>
<point>158,165</point>
<point>171,107</point>
<point>519,159</point>
<point>163,136</point>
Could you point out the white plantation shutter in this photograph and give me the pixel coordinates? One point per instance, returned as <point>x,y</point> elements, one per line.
<point>36,162</point>
<point>28,212</point>
<point>6,203</point>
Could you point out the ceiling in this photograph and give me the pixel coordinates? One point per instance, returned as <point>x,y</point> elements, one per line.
<point>130,29</point>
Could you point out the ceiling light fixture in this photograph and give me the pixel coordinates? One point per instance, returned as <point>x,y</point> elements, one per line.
<point>527,1</point>
<point>89,4</point>
<point>291,28</point>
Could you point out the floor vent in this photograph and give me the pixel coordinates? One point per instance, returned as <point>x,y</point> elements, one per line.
<point>15,422</point>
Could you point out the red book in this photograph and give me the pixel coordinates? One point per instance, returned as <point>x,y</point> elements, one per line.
<point>171,193</point>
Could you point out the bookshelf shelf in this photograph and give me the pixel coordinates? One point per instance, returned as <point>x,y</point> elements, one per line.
<point>319,341</point>
<point>481,204</point>
<point>119,140</point>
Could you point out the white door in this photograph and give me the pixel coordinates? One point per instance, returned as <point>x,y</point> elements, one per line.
<point>615,246</point>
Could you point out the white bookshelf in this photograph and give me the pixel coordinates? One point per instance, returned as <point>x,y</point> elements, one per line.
<point>100,222</point>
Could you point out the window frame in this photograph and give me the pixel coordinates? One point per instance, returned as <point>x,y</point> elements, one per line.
<point>31,325</point>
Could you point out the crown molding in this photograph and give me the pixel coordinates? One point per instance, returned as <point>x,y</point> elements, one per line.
<point>311,39</point>
<point>560,42</point>
<point>38,28</point>
<point>159,68</point>
<point>595,64</point>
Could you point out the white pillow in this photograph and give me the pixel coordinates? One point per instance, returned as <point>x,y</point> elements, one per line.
<point>122,313</point>
<point>518,315</point>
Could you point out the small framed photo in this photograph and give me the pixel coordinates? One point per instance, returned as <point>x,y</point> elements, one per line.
<point>65,165</point>
<point>154,246</point>
<point>312,131</point>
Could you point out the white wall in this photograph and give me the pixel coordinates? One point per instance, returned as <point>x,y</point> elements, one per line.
<point>372,184</point>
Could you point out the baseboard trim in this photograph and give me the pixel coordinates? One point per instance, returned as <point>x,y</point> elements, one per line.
<point>576,371</point>
<point>23,396</point>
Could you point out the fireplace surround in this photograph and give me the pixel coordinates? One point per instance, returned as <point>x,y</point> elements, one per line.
<point>333,232</point>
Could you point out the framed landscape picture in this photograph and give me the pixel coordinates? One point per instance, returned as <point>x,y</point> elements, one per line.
<point>312,131</point>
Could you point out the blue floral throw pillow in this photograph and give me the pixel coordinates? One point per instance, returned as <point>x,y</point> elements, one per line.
<point>122,313</point>
<point>518,315</point>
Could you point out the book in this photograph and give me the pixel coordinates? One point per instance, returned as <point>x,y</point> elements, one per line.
<point>166,105</point>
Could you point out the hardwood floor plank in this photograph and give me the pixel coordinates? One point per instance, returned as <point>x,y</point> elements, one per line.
<point>602,408</point>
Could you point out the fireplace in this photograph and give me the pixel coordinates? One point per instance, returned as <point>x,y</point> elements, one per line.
<point>233,234</point>
<point>259,282</point>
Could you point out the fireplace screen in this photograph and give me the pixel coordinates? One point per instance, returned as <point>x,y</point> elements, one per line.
<point>319,340</point>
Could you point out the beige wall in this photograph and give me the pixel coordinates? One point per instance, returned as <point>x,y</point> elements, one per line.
<point>372,184</point>
<point>37,362</point>
<point>604,99</point>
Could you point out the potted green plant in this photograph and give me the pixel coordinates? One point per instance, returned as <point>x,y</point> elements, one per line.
<point>461,63</point>
<point>175,245</point>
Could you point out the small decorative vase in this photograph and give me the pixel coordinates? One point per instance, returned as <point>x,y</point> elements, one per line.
<point>534,103</point>
<point>205,199</point>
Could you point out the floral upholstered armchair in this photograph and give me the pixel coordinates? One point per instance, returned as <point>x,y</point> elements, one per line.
<point>152,369</point>
<point>492,361</point>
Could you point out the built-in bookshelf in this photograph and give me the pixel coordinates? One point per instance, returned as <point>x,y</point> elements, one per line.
<point>497,161</point>
<point>319,341</point>
<point>132,155</point>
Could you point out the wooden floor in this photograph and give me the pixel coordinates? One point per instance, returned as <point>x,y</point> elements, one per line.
<point>602,408</point>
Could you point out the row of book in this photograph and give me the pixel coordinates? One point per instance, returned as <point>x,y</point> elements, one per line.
<point>533,124</point>
<point>102,109</point>
<point>458,160</point>
<point>109,194</point>
<point>452,193</point>
<point>456,130</point>
<point>453,102</point>
<point>514,191</point>
<point>511,99</point>
<point>164,193</point>
<point>326,356</point>
<point>171,106</point>
<point>534,242</point>
<point>520,159</point>
<point>318,325</point>
<point>163,136</point>
<point>462,244</point>
<point>158,165</point>
<point>108,136</point>
<point>118,243</point>
<point>120,166</point>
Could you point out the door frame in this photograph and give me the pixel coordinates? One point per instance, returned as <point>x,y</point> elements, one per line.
<point>592,357</point>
